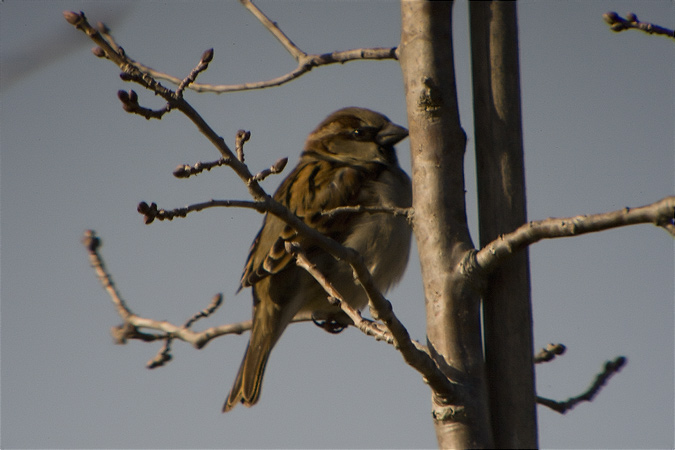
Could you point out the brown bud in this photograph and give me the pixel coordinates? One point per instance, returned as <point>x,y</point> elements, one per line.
<point>610,17</point>
<point>72,17</point>
<point>98,52</point>
<point>91,241</point>
<point>631,17</point>
<point>103,28</point>
<point>142,207</point>
<point>243,135</point>
<point>207,56</point>
<point>181,171</point>
<point>279,165</point>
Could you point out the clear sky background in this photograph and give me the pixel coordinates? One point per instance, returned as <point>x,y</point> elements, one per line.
<point>598,123</point>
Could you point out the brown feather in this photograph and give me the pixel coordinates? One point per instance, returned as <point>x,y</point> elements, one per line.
<point>348,160</point>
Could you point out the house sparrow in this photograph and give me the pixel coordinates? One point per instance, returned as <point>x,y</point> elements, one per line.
<point>348,160</point>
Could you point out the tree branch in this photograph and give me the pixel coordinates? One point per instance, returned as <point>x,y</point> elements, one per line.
<point>611,367</point>
<point>306,62</point>
<point>380,308</point>
<point>133,323</point>
<point>660,213</point>
<point>408,213</point>
<point>275,30</point>
<point>618,23</point>
<point>368,327</point>
<point>130,329</point>
<point>151,211</point>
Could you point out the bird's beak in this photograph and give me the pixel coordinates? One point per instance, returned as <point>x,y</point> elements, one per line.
<point>390,135</point>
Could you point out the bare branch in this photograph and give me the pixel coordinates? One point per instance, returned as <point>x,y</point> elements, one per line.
<point>204,313</point>
<point>164,355</point>
<point>185,171</point>
<point>380,308</point>
<point>242,137</point>
<point>414,354</point>
<point>618,23</point>
<point>549,353</point>
<point>305,62</point>
<point>660,213</point>
<point>277,167</point>
<point>132,322</point>
<point>130,104</point>
<point>131,73</point>
<point>130,329</point>
<point>611,367</point>
<point>92,244</point>
<point>408,213</point>
<point>366,326</point>
<point>275,30</point>
<point>151,212</point>
<point>207,57</point>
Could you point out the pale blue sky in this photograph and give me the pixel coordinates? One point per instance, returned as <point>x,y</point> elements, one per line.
<point>598,123</point>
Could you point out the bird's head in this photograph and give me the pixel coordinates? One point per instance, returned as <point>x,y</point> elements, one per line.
<point>355,135</point>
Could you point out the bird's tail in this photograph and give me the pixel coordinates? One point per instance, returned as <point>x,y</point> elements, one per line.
<point>247,385</point>
<point>269,321</point>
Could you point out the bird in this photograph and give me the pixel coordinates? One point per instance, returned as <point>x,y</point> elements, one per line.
<point>348,160</point>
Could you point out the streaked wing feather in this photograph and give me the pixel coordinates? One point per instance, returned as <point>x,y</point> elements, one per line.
<point>314,185</point>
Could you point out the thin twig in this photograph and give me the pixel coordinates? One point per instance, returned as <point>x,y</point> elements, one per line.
<point>408,213</point>
<point>164,354</point>
<point>618,23</point>
<point>206,312</point>
<point>240,140</point>
<point>151,212</point>
<point>130,104</point>
<point>305,62</point>
<point>92,243</point>
<point>162,357</point>
<point>277,167</point>
<point>206,58</point>
<point>186,171</point>
<point>611,367</point>
<point>275,30</point>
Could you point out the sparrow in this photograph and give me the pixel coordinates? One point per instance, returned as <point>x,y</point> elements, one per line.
<point>348,160</point>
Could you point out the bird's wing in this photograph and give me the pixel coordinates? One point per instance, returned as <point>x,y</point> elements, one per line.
<point>314,186</point>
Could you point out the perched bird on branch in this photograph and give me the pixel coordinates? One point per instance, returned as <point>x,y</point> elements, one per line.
<point>348,160</point>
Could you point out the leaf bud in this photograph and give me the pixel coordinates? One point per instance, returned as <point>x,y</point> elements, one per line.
<point>98,52</point>
<point>207,56</point>
<point>72,17</point>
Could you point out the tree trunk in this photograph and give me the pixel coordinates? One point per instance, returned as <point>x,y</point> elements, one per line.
<point>501,208</point>
<point>437,144</point>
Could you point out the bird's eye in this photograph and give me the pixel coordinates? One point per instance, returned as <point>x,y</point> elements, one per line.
<point>364,133</point>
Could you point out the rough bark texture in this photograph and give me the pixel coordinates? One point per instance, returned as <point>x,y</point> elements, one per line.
<point>437,145</point>
<point>501,207</point>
